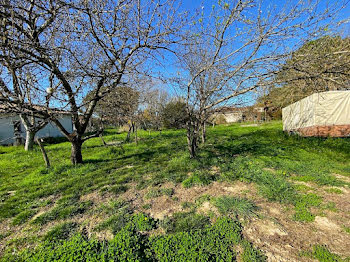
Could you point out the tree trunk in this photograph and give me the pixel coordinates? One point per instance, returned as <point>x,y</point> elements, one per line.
<point>192,142</point>
<point>46,159</point>
<point>128,135</point>
<point>136,135</point>
<point>29,140</point>
<point>204,133</point>
<point>76,156</point>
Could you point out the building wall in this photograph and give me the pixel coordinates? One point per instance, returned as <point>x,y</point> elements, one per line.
<point>233,117</point>
<point>325,131</point>
<point>321,114</point>
<point>50,130</point>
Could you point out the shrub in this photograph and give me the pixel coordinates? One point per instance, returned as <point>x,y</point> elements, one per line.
<point>174,115</point>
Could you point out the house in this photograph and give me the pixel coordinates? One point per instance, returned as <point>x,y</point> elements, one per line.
<point>321,114</point>
<point>239,114</point>
<point>12,127</point>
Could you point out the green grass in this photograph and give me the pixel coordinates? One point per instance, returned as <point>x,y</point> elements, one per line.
<point>262,155</point>
<point>235,206</point>
<point>322,254</point>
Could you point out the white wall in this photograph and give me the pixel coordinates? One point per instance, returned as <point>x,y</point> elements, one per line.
<point>50,130</point>
<point>320,109</point>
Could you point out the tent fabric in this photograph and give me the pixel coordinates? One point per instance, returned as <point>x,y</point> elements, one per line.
<point>320,109</point>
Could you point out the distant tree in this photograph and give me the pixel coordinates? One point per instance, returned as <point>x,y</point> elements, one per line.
<point>119,107</point>
<point>174,115</point>
<point>153,100</point>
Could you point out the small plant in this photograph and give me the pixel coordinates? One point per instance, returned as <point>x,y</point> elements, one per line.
<point>334,190</point>
<point>199,178</point>
<point>251,254</point>
<point>118,189</point>
<point>61,231</point>
<point>153,193</point>
<point>302,205</point>
<point>322,254</point>
<point>143,222</point>
<point>187,205</point>
<point>184,222</point>
<point>23,216</point>
<point>67,206</point>
<point>346,229</point>
<point>235,206</point>
<point>276,188</point>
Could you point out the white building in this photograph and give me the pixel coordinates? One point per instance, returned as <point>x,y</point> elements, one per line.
<point>321,114</point>
<point>8,122</point>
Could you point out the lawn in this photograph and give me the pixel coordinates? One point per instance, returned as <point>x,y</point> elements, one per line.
<point>253,193</point>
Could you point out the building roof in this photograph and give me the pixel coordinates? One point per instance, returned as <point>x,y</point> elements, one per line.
<point>13,109</point>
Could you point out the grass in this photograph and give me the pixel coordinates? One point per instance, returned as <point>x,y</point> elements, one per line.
<point>322,254</point>
<point>241,207</point>
<point>262,155</point>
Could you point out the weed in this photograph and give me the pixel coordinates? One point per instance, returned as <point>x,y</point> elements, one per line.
<point>118,189</point>
<point>322,254</point>
<point>199,178</point>
<point>276,188</point>
<point>302,207</point>
<point>61,231</point>
<point>66,207</point>
<point>235,206</point>
<point>184,222</point>
<point>334,190</point>
<point>23,216</point>
<point>153,193</point>
<point>346,229</point>
<point>251,254</point>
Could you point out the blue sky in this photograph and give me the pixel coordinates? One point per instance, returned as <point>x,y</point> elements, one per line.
<point>293,44</point>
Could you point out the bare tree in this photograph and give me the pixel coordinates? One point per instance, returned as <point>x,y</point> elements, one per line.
<point>85,46</point>
<point>18,99</point>
<point>237,49</point>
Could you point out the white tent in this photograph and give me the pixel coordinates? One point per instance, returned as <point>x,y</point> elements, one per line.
<point>321,114</point>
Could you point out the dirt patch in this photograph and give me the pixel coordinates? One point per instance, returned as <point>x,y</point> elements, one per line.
<point>282,238</point>
<point>325,224</point>
<point>342,177</point>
